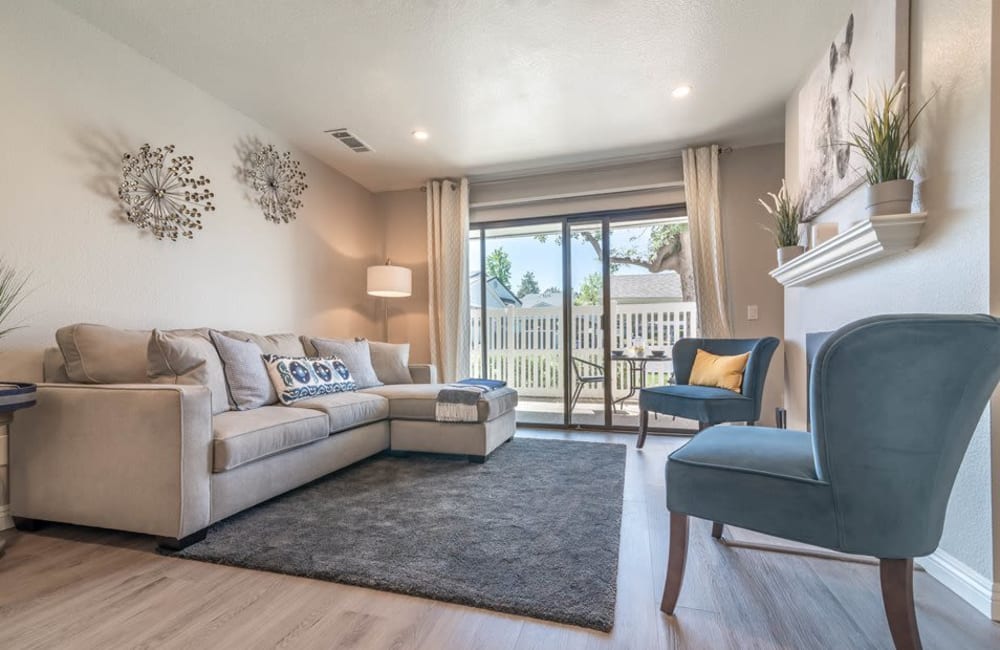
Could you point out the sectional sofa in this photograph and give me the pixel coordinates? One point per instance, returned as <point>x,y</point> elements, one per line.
<point>108,446</point>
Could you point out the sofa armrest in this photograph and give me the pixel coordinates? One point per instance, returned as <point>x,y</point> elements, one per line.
<point>423,373</point>
<point>134,457</point>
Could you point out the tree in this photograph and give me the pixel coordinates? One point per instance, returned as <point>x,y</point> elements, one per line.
<point>663,247</point>
<point>498,266</point>
<point>528,285</point>
<point>591,291</point>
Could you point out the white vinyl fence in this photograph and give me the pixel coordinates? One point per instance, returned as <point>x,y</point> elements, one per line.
<point>524,345</point>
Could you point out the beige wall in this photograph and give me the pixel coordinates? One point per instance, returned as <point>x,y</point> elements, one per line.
<point>404,215</point>
<point>74,101</point>
<point>948,271</point>
<point>745,175</point>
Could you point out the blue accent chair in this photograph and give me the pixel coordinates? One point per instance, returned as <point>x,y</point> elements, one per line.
<point>894,403</point>
<point>709,405</point>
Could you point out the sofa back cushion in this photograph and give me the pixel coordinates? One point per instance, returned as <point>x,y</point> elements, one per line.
<point>246,375</point>
<point>188,357</point>
<point>97,354</point>
<point>391,362</point>
<point>285,345</point>
<point>356,355</point>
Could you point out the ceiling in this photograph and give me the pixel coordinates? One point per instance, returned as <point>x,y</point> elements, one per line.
<point>499,85</point>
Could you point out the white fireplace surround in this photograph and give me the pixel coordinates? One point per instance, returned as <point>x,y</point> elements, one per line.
<point>862,243</point>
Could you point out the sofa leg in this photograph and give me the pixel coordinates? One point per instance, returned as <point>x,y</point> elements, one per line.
<point>175,544</point>
<point>897,597</point>
<point>717,530</point>
<point>476,459</point>
<point>643,428</point>
<point>27,524</point>
<point>676,560</point>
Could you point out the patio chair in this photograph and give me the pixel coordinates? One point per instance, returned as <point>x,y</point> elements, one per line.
<point>895,401</point>
<point>581,368</point>
<point>709,405</point>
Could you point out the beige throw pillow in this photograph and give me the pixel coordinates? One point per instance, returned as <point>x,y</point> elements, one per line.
<point>188,357</point>
<point>246,375</point>
<point>356,355</point>
<point>391,362</point>
<point>97,354</point>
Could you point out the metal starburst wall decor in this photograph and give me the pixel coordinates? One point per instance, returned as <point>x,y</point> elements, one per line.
<point>277,180</point>
<point>161,194</point>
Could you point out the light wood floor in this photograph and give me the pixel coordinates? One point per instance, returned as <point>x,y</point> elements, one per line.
<point>69,587</point>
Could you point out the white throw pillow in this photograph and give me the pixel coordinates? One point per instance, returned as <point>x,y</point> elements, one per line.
<point>297,378</point>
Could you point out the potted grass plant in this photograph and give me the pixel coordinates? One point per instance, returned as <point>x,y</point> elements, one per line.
<point>883,140</point>
<point>12,286</point>
<point>786,214</point>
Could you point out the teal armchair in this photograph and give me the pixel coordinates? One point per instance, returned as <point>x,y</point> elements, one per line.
<point>894,403</point>
<point>704,404</point>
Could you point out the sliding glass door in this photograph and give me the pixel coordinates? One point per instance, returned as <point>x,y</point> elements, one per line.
<point>579,312</point>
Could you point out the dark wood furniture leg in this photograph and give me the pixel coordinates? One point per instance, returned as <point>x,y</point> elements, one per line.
<point>643,427</point>
<point>676,559</point>
<point>897,596</point>
<point>175,544</point>
<point>476,459</point>
<point>717,530</point>
<point>702,426</point>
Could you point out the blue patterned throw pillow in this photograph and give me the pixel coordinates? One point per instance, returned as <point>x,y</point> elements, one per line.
<point>298,378</point>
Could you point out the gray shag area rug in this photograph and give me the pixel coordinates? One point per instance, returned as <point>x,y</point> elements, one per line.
<point>533,531</point>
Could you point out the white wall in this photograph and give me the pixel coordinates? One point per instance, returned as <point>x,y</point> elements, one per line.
<point>949,269</point>
<point>74,100</point>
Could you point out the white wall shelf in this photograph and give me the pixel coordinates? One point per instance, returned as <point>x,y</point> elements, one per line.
<point>862,243</point>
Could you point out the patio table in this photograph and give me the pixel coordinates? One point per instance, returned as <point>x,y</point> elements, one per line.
<point>636,367</point>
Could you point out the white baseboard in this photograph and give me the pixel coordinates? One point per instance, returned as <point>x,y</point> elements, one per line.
<point>975,589</point>
<point>5,519</point>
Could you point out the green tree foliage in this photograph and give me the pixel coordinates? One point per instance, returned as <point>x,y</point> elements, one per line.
<point>591,291</point>
<point>498,266</point>
<point>528,285</point>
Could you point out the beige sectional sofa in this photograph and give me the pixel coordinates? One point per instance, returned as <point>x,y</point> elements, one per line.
<point>163,459</point>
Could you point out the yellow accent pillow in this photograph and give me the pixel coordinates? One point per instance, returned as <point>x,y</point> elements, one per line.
<point>718,372</point>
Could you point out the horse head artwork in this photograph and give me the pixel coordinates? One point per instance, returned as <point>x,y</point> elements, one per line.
<point>829,166</point>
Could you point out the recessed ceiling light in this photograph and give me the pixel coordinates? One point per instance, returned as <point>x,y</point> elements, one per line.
<point>420,134</point>
<point>681,91</point>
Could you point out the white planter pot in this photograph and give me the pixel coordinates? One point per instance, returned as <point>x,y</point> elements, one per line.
<point>890,197</point>
<point>789,253</point>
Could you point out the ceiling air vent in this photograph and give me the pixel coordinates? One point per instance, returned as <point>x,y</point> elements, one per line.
<point>350,140</point>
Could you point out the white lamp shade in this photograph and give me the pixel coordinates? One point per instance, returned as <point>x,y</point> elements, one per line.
<point>388,281</point>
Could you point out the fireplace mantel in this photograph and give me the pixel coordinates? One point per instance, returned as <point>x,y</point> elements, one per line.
<point>862,243</point>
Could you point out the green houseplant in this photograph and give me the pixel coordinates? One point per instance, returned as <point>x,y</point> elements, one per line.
<point>882,138</point>
<point>786,215</point>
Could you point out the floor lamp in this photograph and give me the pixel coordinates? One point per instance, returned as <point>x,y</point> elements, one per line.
<point>387,281</point>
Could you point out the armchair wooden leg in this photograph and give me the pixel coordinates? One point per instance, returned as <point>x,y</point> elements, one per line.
<point>897,597</point>
<point>643,427</point>
<point>717,530</point>
<point>676,559</point>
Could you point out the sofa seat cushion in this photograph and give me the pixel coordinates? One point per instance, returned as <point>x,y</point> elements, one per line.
<point>348,410</point>
<point>417,401</point>
<point>240,437</point>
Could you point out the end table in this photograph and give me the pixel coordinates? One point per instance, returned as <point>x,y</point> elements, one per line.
<point>13,397</point>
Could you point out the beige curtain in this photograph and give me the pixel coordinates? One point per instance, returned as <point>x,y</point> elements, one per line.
<point>448,274</point>
<point>701,191</point>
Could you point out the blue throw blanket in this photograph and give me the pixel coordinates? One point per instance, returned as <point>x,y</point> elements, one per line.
<point>458,402</point>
